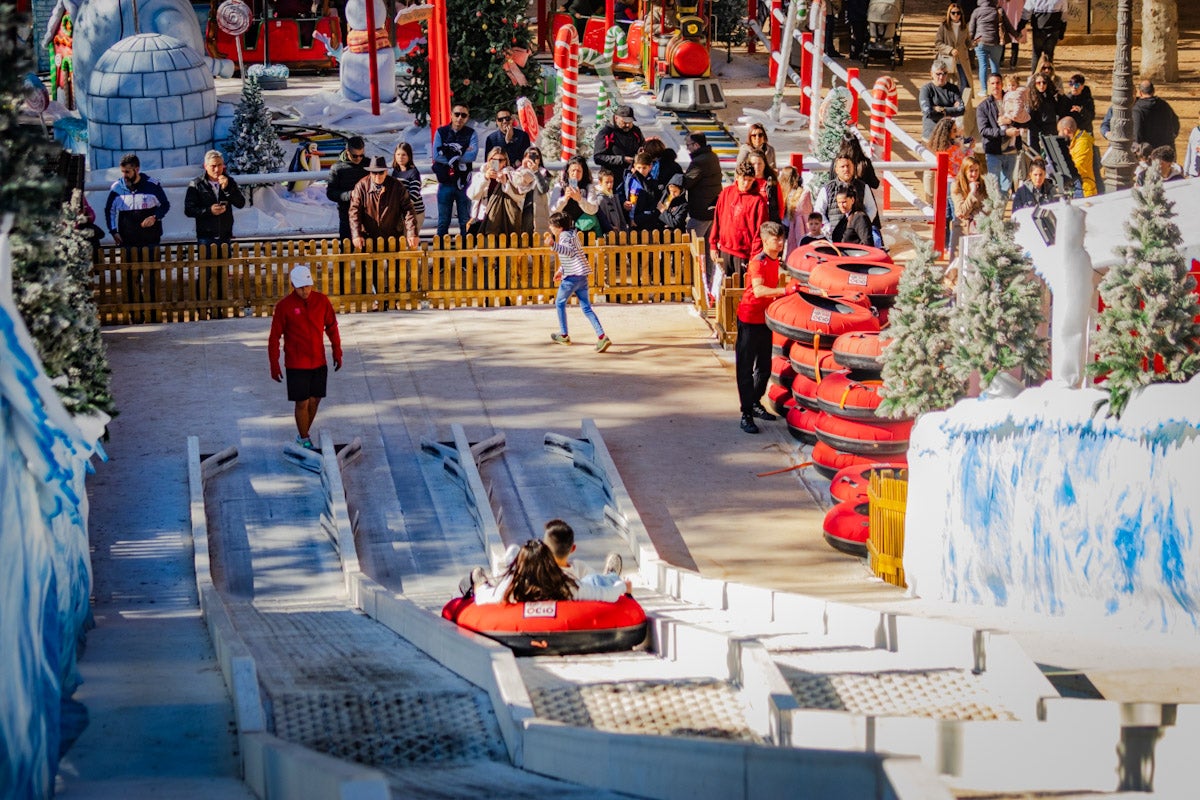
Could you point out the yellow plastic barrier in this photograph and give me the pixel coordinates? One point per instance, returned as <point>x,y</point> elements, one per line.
<point>888,499</point>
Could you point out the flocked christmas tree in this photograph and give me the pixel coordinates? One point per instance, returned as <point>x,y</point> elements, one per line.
<point>51,257</point>
<point>835,119</point>
<point>253,145</point>
<point>1150,303</point>
<point>917,371</point>
<point>1000,301</point>
<point>479,34</point>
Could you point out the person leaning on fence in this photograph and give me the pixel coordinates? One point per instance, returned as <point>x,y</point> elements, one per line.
<point>499,200</point>
<point>344,175</point>
<point>134,213</point>
<point>404,169</point>
<point>572,274</point>
<point>208,200</point>
<point>753,350</point>
<point>380,208</point>
<point>303,318</point>
<point>734,237</point>
<point>641,195</point>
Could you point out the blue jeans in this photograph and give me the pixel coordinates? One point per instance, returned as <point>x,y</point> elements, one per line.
<point>450,197</point>
<point>1002,167</point>
<point>989,56</point>
<point>575,285</point>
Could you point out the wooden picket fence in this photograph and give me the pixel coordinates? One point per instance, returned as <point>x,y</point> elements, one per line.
<point>183,282</point>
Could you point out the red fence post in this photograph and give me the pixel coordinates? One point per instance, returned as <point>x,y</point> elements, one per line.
<point>887,156</point>
<point>940,192</point>
<point>851,77</point>
<point>773,65</point>
<point>752,15</point>
<point>806,71</point>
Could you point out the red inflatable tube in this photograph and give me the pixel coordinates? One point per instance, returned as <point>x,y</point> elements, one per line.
<point>843,396</point>
<point>801,261</point>
<point>804,316</point>
<point>877,280</point>
<point>830,461</point>
<point>780,345</point>
<point>847,527</point>
<point>861,350</point>
<point>814,364</point>
<point>554,627</point>
<point>782,371</point>
<point>802,424</point>
<point>778,395</point>
<point>864,438</point>
<point>851,483</point>
<point>804,391</point>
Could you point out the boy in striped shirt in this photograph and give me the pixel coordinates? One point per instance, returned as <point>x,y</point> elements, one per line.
<point>572,273</point>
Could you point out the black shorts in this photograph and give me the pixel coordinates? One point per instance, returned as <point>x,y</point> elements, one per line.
<point>305,383</point>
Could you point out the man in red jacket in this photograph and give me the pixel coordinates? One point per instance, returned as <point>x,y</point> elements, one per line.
<point>734,237</point>
<point>303,318</point>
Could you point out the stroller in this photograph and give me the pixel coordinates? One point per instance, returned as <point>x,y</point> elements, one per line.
<point>884,19</point>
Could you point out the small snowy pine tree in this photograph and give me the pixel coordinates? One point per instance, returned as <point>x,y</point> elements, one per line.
<point>917,376</point>
<point>1150,303</point>
<point>253,146</point>
<point>835,119</point>
<point>54,294</point>
<point>1000,305</point>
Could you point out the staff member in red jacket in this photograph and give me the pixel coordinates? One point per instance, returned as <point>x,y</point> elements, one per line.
<point>303,318</point>
<point>753,350</point>
<point>734,235</point>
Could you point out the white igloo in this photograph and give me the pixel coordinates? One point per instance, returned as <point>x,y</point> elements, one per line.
<point>152,95</point>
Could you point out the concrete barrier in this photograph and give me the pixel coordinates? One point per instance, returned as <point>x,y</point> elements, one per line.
<point>280,770</point>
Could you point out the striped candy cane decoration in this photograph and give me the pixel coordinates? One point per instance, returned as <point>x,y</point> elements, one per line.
<point>614,43</point>
<point>566,58</point>
<point>884,105</point>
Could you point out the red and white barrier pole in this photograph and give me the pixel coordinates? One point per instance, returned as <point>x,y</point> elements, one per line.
<point>940,191</point>
<point>851,79</point>
<point>884,104</point>
<point>566,58</point>
<point>773,65</point>
<point>806,39</point>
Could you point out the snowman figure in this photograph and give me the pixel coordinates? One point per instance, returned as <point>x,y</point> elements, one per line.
<point>356,60</point>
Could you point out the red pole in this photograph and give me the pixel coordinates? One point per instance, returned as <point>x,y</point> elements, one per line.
<point>773,65</point>
<point>751,14</point>
<point>373,58</point>
<point>940,190</point>
<point>439,69</point>
<point>543,25</point>
<point>851,77</point>
<point>610,19</point>
<point>887,156</point>
<point>806,71</point>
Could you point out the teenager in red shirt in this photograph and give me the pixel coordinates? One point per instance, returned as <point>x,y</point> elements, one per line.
<point>753,352</point>
<point>741,211</point>
<point>303,319</point>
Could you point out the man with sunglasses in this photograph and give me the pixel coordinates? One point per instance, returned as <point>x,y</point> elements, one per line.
<point>454,149</point>
<point>509,137</point>
<point>343,177</point>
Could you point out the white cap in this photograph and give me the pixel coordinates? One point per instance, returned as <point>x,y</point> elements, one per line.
<point>302,276</point>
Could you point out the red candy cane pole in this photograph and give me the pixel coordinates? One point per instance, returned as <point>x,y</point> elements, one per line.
<point>884,103</point>
<point>566,58</point>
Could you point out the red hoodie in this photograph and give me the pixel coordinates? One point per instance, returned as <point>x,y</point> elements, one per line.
<point>302,323</point>
<point>737,220</point>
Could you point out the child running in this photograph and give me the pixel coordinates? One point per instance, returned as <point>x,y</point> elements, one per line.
<point>572,273</point>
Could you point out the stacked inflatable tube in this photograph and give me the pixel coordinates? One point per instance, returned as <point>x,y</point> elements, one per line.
<point>847,527</point>
<point>878,280</point>
<point>562,627</point>
<point>801,261</point>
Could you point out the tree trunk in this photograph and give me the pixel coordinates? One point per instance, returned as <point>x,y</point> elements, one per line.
<point>1160,40</point>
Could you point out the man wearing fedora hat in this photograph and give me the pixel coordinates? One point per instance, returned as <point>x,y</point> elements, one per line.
<point>380,207</point>
<point>303,319</point>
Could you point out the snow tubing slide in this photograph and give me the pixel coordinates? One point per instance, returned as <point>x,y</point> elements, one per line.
<point>860,350</point>
<point>801,261</point>
<point>852,482</point>
<point>829,461</point>
<point>802,424</point>
<point>879,281</point>
<point>561,627</point>
<point>864,438</point>
<point>804,316</point>
<point>847,527</point>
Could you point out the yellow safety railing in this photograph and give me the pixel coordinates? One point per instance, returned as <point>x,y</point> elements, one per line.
<point>887,495</point>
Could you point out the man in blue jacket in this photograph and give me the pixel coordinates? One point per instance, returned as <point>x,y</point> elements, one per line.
<point>134,212</point>
<point>454,149</point>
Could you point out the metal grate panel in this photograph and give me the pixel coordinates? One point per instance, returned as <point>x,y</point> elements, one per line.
<point>389,728</point>
<point>940,694</point>
<point>706,708</point>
